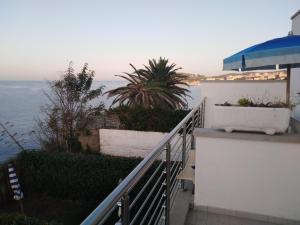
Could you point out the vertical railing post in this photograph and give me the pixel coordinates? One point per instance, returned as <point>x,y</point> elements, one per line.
<point>198,117</point>
<point>183,151</point>
<point>192,132</point>
<point>168,183</point>
<point>125,209</point>
<point>203,113</point>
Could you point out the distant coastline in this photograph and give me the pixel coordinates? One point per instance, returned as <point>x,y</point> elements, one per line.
<point>195,79</point>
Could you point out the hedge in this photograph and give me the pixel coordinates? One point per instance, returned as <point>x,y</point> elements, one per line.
<point>5,193</point>
<point>88,177</point>
<point>19,219</point>
<point>157,119</point>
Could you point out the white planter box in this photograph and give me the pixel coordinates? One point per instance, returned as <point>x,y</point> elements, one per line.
<point>267,120</point>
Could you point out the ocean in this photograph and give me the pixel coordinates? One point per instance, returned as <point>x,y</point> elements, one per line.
<point>20,107</point>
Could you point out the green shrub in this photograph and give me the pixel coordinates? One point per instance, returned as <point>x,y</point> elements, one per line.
<point>157,119</point>
<point>88,177</point>
<point>4,187</point>
<point>244,102</point>
<point>19,219</point>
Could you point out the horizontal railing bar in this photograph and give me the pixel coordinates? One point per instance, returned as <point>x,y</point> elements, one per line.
<point>147,198</point>
<point>197,122</point>
<point>199,115</point>
<point>188,138</point>
<point>189,125</point>
<point>178,127</point>
<point>199,118</point>
<point>155,211</point>
<point>175,149</point>
<point>178,165</point>
<point>189,131</point>
<point>188,153</point>
<point>173,194</point>
<point>107,215</point>
<point>174,145</point>
<point>174,189</point>
<point>144,203</point>
<point>179,148</point>
<point>174,180</point>
<point>145,186</point>
<point>151,206</point>
<point>125,185</point>
<point>159,215</point>
<point>131,180</point>
<point>188,144</point>
<point>174,136</point>
<point>175,163</point>
<point>173,185</point>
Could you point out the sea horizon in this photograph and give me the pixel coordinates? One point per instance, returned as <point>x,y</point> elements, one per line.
<point>21,102</point>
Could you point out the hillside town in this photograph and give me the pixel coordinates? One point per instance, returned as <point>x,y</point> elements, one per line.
<point>195,79</point>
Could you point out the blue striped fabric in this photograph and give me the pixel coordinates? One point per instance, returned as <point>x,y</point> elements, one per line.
<point>14,183</point>
<point>280,51</point>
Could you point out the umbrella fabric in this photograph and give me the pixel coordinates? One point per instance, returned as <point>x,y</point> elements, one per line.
<point>283,52</point>
<point>14,182</point>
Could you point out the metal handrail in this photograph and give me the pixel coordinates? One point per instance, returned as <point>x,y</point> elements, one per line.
<point>103,210</point>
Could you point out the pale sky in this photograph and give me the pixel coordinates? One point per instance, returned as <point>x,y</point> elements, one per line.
<point>39,38</point>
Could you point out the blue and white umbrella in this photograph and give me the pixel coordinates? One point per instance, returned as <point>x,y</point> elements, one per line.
<point>14,183</point>
<point>279,53</point>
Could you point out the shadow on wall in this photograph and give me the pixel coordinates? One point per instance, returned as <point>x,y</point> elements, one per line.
<point>295,125</point>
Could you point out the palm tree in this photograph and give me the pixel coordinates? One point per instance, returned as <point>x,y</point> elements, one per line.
<point>156,85</point>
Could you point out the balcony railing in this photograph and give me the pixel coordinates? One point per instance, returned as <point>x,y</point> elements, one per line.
<point>147,194</point>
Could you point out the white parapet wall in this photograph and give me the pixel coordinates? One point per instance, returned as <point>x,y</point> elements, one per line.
<point>251,173</point>
<point>295,73</point>
<point>295,88</point>
<point>128,143</point>
<point>217,92</point>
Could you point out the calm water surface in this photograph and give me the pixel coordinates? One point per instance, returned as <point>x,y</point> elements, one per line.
<point>20,103</point>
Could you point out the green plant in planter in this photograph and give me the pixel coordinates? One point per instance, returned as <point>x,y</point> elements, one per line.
<point>245,102</point>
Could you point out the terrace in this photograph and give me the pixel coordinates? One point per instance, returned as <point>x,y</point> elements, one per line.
<point>239,178</point>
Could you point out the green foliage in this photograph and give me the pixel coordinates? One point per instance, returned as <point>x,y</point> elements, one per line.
<point>88,177</point>
<point>19,219</point>
<point>244,102</point>
<point>156,85</point>
<point>156,119</point>
<point>68,112</point>
<point>5,191</point>
<point>260,103</point>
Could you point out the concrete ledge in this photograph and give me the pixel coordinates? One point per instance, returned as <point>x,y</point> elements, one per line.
<point>246,215</point>
<point>214,133</point>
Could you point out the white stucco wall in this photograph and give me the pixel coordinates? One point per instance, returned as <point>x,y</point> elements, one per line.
<point>231,91</point>
<point>252,176</point>
<point>128,143</point>
<point>295,73</point>
<point>295,88</point>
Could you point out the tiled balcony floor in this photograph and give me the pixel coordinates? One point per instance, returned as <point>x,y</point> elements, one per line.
<point>204,218</point>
